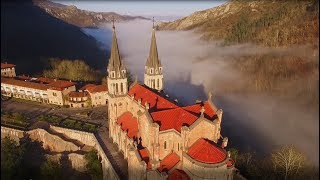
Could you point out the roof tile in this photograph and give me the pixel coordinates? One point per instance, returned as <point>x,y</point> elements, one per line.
<point>206,151</point>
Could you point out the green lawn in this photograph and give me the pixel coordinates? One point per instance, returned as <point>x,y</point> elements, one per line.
<point>14,119</point>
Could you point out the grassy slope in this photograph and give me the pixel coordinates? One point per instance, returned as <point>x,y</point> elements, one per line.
<point>280,23</point>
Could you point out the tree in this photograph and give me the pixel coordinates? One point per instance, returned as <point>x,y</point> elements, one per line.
<point>11,158</point>
<point>94,167</point>
<point>288,161</point>
<point>51,170</point>
<point>234,154</point>
<point>76,70</point>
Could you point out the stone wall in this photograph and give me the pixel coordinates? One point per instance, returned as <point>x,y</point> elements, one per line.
<point>52,142</point>
<point>90,140</point>
<point>57,144</point>
<point>14,134</point>
<point>78,161</point>
<point>84,137</point>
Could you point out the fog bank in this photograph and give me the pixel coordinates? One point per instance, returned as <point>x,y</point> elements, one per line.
<point>193,67</point>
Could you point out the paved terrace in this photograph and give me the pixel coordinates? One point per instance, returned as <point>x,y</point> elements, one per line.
<point>97,115</point>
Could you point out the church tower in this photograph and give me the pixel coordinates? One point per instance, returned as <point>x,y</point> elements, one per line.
<point>153,76</point>
<point>117,73</point>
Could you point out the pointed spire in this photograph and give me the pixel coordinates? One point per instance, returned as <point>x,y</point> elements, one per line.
<point>152,22</point>
<point>153,59</point>
<point>115,62</point>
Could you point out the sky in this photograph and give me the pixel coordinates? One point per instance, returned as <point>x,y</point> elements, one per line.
<point>145,8</point>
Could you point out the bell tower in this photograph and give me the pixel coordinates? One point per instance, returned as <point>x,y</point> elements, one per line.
<point>117,73</point>
<point>153,76</point>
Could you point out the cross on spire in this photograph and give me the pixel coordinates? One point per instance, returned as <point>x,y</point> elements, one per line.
<point>113,22</point>
<point>153,22</point>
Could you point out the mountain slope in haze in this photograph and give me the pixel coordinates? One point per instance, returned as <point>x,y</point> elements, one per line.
<point>78,17</point>
<point>269,23</point>
<point>29,36</point>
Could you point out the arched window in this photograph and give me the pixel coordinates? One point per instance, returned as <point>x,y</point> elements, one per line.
<point>165,145</point>
<point>121,87</point>
<point>117,90</point>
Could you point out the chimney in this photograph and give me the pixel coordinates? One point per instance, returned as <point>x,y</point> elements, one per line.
<point>147,105</point>
<point>55,80</point>
<point>139,101</point>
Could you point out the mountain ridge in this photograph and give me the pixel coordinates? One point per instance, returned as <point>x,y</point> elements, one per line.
<point>81,18</point>
<point>274,24</point>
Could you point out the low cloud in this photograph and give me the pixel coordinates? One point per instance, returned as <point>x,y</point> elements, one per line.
<point>193,67</point>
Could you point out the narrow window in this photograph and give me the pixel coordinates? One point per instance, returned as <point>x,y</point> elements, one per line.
<point>158,83</point>
<point>178,146</point>
<point>117,90</point>
<point>165,145</point>
<point>121,87</point>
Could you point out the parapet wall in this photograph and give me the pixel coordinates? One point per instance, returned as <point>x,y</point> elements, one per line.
<point>54,141</point>
<point>14,134</point>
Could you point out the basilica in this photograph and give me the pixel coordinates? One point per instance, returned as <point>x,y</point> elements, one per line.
<point>160,138</point>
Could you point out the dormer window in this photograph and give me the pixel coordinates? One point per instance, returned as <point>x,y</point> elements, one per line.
<point>160,69</point>
<point>151,70</point>
<point>112,74</point>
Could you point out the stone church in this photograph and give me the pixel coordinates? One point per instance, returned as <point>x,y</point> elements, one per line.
<point>160,138</point>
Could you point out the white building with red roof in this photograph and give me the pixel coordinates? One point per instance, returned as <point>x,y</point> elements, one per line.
<point>45,90</point>
<point>98,94</point>
<point>159,138</point>
<point>8,70</point>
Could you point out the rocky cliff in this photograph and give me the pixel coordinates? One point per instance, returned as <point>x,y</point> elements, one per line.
<point>270,23</point>
<point>78,17</point>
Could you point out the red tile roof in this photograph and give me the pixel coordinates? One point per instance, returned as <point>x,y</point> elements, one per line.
<point>178,174</point>
<point>26,84</point>
<point>145,156</point>
<point>169,162</point>
<point>173,118</point>
<point>206,151</point>
<point>129,123</point>
<point>56,84</point>
<point>94,88</point>
<point>195,109</point>
<point>6,65</point>
<point>155,100</point>
<point>166,113</point>
<point>39,83</point>
<point>78,94</point>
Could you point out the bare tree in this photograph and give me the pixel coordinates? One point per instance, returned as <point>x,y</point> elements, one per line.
<point>288,161</point>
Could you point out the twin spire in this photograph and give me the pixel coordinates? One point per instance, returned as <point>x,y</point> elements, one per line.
<point>115,62</point>
<point>153,59</point>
